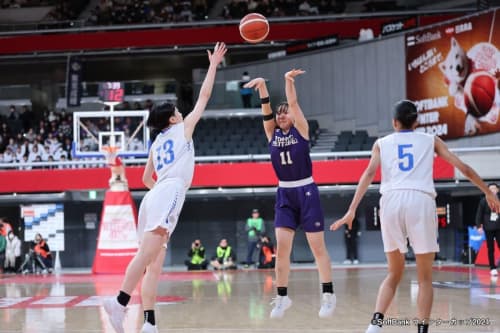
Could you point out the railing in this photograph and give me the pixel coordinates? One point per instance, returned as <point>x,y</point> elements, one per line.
<point>81,25</point>
<point>225,94</point>
<point>132,88</point>
<point>217,159</point>
<point>136,88</point>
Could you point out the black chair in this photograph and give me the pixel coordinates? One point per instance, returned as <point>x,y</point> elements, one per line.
<point>339,147</point>
<point>354,147</point>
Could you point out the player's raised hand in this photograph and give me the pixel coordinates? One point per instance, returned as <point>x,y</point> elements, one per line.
<point>290,75</point>
<point>218,55</point>
<point>256,83</point>
<point>346,219</point>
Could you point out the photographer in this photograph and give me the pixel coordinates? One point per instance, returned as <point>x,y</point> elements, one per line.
<point>266,254</point>
<point>197,259</point>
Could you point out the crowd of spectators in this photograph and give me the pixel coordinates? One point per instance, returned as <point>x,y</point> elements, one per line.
<point>109,12</point>
<point>27,137</point>
<point>236,9</point>
<point>26,3</point>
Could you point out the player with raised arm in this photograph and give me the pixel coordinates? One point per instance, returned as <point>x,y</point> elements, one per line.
<point>171,157</point>
<point>297,198</point>
<point>408,206</point>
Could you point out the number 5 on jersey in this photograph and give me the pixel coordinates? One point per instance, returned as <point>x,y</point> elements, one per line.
<point>165,154</point>
<point>405,157</point>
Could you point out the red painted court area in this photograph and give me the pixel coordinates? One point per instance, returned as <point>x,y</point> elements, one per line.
<point>97,288</point>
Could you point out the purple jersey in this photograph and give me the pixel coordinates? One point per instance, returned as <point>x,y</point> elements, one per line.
<point>290,155</point>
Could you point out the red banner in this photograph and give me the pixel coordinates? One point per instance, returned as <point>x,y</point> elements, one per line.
<point>246,174</point>
<point>452,74</point>
<point>117,242</point>
<point>169,37</point>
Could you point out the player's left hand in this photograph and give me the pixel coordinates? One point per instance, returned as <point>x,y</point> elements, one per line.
<point>346,219</point>
<point>256,83</point>
<point>219,52</point>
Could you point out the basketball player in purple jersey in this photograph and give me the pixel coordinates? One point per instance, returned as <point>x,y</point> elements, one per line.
<point>297,198</point>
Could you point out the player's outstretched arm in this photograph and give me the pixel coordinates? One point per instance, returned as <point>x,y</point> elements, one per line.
<point>147,175</point>
<point>365,181</point>
<point>442,150</point>
<point>269,122</point>
<point>215,59</point>
<point>293,104</point>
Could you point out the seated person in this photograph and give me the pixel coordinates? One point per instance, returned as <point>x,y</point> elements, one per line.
<point>224,258</point>
<point>33,263</point>
<point>196,256</point>
<point>266,253</point>
<point>12,253</point>
<point>41,249</point>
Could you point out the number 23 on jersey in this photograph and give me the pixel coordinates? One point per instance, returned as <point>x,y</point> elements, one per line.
<point>165,154</point>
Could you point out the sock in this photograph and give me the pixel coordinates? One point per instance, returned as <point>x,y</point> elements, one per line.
<point>123,298</point>
<point>149,317</point>
<point>377,319</point>
<point>282,291</point>
<point>422,328</point>
<point>327,287</point>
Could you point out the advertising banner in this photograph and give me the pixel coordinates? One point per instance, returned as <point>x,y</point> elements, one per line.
<point>47,220</point>
<point>74,82</point>
<point>452,73</point>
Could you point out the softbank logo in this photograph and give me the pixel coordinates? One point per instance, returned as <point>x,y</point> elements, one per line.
<point>423,38</point>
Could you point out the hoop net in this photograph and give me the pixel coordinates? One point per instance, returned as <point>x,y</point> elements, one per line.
<point>111,153</point>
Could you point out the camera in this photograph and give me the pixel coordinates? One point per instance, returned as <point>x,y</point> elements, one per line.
<point>197,244</point>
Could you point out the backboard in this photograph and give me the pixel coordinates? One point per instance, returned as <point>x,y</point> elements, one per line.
<point>125,130</point>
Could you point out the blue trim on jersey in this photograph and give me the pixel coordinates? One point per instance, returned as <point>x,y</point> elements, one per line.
<point>405,131</point>
<point>174,203</point>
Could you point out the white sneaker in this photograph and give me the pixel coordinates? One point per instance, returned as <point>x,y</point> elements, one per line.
<point>494,272</point>
<point>328,304</point>
<point>373,329</point>
<point>148,328</point>
<point>116,313</point>
<point>355,262</point>
<point>347,262</point>
<point>281,304</point>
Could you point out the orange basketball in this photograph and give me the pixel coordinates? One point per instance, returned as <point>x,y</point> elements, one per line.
<point>254,28</point>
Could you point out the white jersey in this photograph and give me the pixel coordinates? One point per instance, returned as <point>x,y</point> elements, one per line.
<point>407,160</point>
<point>173,155</point>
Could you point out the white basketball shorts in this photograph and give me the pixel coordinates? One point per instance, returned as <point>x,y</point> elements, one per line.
<point>161,206</point>
<point>409,214</point>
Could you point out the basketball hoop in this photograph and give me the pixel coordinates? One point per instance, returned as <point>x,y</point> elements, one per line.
<point>111,154</point>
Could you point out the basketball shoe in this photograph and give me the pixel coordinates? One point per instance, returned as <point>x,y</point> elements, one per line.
<point>328,304</point>
<point>281,304</point>
<point>148,328</point>
<point>116,313</point>
<point>373,329</point>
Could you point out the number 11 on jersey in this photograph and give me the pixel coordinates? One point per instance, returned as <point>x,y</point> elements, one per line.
<point>285,158</point>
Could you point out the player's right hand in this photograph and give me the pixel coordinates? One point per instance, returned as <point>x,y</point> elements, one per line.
<point>290,75</point>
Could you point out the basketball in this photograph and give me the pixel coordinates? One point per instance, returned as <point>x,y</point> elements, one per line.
<point>254,28</point>
<point>479,93</point>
